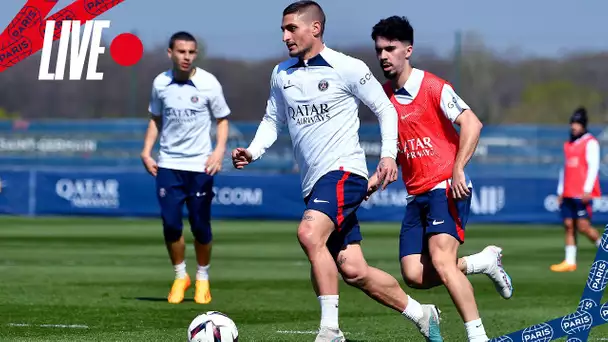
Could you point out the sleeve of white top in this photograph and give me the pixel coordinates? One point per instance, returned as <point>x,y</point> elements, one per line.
<point>366,88</point>
<point>560,183</point>
<point>217,102</point>
<point>272,122</point>
<point>155,107</point>
<point>593,164</point>
<point>451,104</point>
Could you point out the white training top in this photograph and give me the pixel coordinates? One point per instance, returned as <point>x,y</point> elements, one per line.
<point>186,109</point>
<point>319,100</point>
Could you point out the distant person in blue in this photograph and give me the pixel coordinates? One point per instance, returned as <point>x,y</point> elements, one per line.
<point>184,101</point>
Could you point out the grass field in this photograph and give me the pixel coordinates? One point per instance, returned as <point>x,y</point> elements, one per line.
<point>107,279</point>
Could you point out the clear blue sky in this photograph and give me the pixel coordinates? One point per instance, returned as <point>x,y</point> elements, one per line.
<point>250,29</point>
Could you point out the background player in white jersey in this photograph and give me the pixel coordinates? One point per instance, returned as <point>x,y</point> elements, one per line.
<point>184,101</point>
<point>316,94</point>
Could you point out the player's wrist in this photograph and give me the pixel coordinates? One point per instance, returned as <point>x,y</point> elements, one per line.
<point>457,168</point>
<point>388,154</point>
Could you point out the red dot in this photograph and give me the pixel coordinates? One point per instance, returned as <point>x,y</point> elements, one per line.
<point>126,49</point>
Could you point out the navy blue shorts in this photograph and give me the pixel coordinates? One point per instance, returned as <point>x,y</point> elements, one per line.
<point>338,194</point>
<point>433,212</point>
<point>176,187</point>
<point>574,208</point>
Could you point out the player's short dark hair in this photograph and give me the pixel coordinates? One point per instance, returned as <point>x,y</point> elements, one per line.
<point>182,35</point>
<point>394,28</point>
<point>307,5</point>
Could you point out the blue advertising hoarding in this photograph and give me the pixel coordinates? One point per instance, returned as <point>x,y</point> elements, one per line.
<point>258,196</point>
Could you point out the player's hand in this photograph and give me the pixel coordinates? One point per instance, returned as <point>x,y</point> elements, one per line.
<point>241,157</point>
<point>387,171</point>
<point>214,162</point>
<point>372,186</point>
<point>586,199</point>
<point>560,200</point>
<point>460,190</point>
<point>150,165</point>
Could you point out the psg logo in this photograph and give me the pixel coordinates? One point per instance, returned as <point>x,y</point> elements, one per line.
<point>323,85</point>
<point>194,99</point>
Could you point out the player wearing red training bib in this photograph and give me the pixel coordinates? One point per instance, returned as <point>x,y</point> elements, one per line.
<point>578,185</point>
<point>432,156</point>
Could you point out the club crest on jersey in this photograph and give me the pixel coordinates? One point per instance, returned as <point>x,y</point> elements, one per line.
<point>323,85</point>
<point>194,99</point>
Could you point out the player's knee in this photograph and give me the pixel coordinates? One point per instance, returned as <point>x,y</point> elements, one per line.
<point>569,225</point>
<point>354,274</point>
<point>202,233</point>
<point>309,237</point>
<point>172,231</point>
<point>413,279</point>
<point>444,264</point>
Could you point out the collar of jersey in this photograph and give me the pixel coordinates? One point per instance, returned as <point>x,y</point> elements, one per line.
<point>187,82</point>
<point>409,84</point>
<point>316,61</point>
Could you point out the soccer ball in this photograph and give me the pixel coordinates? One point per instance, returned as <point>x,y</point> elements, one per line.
<point>212,326</point>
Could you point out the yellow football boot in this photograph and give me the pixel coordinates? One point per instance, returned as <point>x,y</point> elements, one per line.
<point>563,267</point>
<point>202,294</point>
<point>180,285</point>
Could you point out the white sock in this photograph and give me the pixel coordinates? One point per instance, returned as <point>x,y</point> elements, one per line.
<point>476,263</point>
<point>475,331</point>
<point>180,270</point>
<point>598,242</point>
<point>413,310</point>
<point>571,254</point>
<point>329,311</point>
<point>202,272</point>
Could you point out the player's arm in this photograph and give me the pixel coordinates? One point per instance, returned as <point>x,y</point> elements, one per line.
<point>366,88</point>
<point>151,135</point>
<point>154,127</point>
<point>268,130</point>
<point>220,110</point>
<point>457,111</point>
<point>592,155</point>
<point>560,183</point>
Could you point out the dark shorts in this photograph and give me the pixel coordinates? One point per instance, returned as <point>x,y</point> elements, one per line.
<point>574,208</point>
<point>338,194</point>
<point>176,187</point>
<point>433,212</point>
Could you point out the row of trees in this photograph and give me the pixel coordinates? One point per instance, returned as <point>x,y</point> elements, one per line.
<point>500,89</point>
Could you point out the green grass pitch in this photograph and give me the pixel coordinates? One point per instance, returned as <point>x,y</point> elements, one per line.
<point>107,280</point>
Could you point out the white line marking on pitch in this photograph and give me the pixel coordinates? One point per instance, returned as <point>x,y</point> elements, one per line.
<point>302,332</point>
<point>69,326</point>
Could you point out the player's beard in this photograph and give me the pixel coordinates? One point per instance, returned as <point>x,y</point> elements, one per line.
<point>390,75</point>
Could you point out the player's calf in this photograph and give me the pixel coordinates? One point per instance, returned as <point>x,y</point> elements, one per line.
<point>176,247</point>
<point>385,289</point>
<point>201,230</point>
<point>313,232</point>
<point>418,272</point>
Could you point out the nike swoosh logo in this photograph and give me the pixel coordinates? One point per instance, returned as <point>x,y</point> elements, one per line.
<point>288,86</point>
<point>319,201</point>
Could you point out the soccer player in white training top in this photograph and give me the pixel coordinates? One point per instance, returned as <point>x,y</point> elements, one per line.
<point>183,104</point>
<point>316,93</point>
